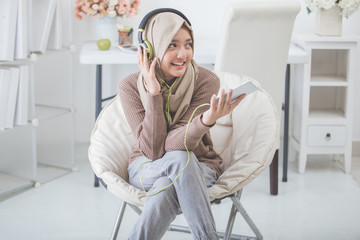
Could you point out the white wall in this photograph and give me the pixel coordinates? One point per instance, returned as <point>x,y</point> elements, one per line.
<point>205,16</point>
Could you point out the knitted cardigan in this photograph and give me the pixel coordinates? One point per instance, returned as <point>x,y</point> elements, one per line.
<point>150,128</point>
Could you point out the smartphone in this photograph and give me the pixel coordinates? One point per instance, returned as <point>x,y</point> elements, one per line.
<point>245,88</point>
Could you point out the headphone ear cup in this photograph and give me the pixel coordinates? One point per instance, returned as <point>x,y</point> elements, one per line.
<point>149,49</point>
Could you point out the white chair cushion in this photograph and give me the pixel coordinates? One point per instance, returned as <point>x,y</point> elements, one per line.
<point>254,139</point>
<point>109,151</point>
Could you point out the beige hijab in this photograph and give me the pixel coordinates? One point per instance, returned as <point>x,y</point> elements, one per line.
<point>160,31</point>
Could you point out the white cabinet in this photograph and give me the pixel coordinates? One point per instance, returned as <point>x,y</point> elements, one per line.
<point>322,99</point>
<point>42,149</point>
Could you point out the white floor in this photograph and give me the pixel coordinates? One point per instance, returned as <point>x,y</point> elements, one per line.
<point>324,203</point>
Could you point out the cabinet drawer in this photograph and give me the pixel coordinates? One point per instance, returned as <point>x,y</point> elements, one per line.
<point>326,135</point>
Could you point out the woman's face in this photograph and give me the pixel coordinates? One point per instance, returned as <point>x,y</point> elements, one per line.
<point>178,55</point>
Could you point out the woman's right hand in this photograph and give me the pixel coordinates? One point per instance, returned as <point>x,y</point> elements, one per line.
<point>148,72</point>
<point>220,107</point>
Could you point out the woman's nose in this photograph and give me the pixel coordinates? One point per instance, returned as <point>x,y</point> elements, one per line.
<point>181,53</point>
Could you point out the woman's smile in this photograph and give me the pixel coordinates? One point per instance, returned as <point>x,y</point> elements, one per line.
<point>178,65</point>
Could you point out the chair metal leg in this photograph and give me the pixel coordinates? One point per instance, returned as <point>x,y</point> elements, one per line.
<point>135,208</point>
<point>179,228</point>
<point>96,181</point>
<point>246,217</point>
<point>184,229</point>
<point>118,220</point>
<point>230,223</point>
<point>227,234</point>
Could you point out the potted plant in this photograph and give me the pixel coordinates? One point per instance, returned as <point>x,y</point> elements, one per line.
<point>106,13</point>
<point>330,13</point>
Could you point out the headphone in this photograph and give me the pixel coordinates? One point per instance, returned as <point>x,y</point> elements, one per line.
<point>145,44</point>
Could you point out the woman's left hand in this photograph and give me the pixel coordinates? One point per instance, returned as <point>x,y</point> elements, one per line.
<point>221,107</point>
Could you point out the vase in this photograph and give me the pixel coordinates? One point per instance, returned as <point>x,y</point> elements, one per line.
<point>106,28</point>
<point>329,22</point>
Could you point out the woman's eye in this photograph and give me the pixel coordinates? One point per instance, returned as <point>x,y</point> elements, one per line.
<point>172,45</point>
<point>189,45</point>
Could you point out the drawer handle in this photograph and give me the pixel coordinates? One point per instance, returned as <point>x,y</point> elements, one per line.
<point>328,137</point>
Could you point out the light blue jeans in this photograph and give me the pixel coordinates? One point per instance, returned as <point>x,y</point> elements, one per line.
<point>188,195</point>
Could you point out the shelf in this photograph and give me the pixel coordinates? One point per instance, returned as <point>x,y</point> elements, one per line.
<point>335,117</point>
<point>328,99</point>
<point>46,173</point>
<point>322,99</point>
<point>17,62</point>
<point>44,113</point>
<point>54,146</point>
<point>311,38</point>
<point>43,148</point>
<point>10,184</point>
<point>15,126</point>
<point>328,80</point>
<point>330,62</point>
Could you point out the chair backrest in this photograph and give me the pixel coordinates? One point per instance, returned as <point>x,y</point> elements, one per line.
<point>246,139</point>
<point>111,144</point>
<point>255,41</point>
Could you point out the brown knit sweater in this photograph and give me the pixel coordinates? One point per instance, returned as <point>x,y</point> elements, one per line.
<point>150,128</point>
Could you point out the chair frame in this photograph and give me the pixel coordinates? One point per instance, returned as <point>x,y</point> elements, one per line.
<point>236,207</point>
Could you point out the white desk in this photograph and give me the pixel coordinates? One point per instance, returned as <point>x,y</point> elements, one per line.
<point>204,54</point>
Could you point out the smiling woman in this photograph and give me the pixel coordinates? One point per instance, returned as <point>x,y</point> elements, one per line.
<point>173,161</point>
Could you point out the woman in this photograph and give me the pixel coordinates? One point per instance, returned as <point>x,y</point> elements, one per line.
<point>158,102</point>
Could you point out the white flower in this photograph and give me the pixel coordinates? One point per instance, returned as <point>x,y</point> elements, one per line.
<point>346,3</point>
<point>112,13</point>
<point>311,4</point>
<point>316,4</point>
<point>326,4</point>
<point>95,7</point>
<point>348,7</point>
<point>100,8</point>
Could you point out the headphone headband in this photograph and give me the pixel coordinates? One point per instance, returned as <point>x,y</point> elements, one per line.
<point>149,15</point>
<point>141,29</point>
<point>161,10</point>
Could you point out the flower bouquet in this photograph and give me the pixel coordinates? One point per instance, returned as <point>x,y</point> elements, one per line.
<point>101,8</point>
<point>347,7</point>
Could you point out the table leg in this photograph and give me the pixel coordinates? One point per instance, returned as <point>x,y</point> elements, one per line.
<point>286,123</point>
<point>98,90</point>
<point>98,102</point>
<point>274,169</point>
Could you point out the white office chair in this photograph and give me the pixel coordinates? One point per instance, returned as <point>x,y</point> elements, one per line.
<point>255,41</point>
<point>246,139</point>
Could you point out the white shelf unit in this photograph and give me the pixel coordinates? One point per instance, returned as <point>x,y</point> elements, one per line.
<point>322,99</point>
<point>43,149</point>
